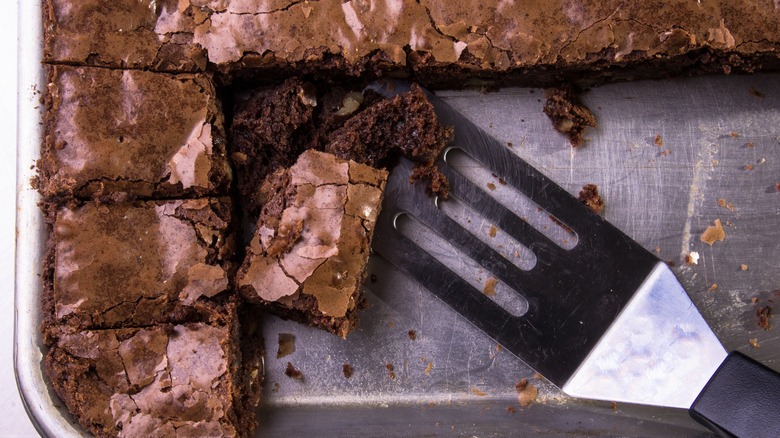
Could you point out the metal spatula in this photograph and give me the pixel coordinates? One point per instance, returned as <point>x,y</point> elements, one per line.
<point>606,319</point>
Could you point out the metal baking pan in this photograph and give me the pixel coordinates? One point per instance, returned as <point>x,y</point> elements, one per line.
<point>720,138</point>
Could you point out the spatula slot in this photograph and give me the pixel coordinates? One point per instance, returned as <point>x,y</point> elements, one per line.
<point>489,233</point>
<point>461,264</point>
<point>510,198</point>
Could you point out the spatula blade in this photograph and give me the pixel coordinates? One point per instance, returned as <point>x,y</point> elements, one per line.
<point>659,351</point>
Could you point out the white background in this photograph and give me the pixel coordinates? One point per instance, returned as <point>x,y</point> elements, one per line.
<point>13,419</point>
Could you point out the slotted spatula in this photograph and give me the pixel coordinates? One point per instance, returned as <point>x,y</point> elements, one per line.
<point>606,319</point>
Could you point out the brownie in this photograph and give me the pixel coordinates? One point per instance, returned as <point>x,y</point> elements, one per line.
<point>307,258</point>
<point>139,34</point>
<point>136,133</point>
<point>439,43</point>
<point>274,125</point>
<point>167,380</point>
<point>405,124</point>
<point>135,264</point>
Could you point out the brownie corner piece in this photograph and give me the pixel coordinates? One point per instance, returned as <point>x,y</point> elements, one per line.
<point>143,134</point>
<point>165,380</point>
<point>308,256</point>
<point>137,34</point>
<point>139,263</point>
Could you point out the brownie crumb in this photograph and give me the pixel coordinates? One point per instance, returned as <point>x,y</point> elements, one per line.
<point>527,395</point>
<point>478,392</point>
<point>412,335</point>
<point>692,258</point>
<point>510,409</point>
<point>490,287</point>
<point>521,385</point>
<point>428,368</point>
<point>713,233</point>
<point>286,345</point>
<point>568,115</point>
<point>714,286</point>
<point>347,369</point>
<point>437,183</point>
<point>658,142</point>
<point>744,267</point>
<point>290,371</point>
<point>614,405</point>
<point>589,195</point>
<point>763,315</point>
<point>389,366</point>
<point>754,343</point>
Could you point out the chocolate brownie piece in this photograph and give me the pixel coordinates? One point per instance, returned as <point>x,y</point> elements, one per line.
<point>308,255</point>
<point>439,42</point>
<point>405,124</point>
<point>110,132</point>
<point>169,380</point>
<point>444,42</point>
<point>134,264</point>
<point>144,34</point>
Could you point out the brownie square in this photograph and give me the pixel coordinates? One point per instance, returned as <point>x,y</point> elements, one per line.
<point>140,34</point>
<point>143,134</point>
<point>169,380</point>
<point>134,264</point>
<point>307,258</point>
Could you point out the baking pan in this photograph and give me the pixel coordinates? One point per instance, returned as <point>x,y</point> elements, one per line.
<point>719,137</point>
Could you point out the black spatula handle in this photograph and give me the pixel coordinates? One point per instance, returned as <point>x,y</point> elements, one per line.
<point>742,399</point>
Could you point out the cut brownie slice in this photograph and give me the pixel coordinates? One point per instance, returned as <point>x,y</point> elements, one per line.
<point>308,255</point>
<point>169,380</point>
<point>126,131</point>
<point>140,34</point>
<point>134,264</point>
<point>405,124</point>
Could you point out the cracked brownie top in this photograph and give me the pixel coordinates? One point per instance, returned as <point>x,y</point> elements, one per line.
<point>158,381</point>
<point>312,240</point>
<point>133,132</point>
<point>139,263</point>
<point>434,39</point>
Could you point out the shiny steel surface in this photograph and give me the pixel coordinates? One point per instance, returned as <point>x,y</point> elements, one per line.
<point>659,351</point>
<point>662,201</point>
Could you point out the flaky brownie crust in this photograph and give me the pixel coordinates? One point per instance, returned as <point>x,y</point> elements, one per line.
<point>166,380</point>
<point>308,255</point>
<point>137,264</point>
<point>437,42</point>
<point>111,133</point>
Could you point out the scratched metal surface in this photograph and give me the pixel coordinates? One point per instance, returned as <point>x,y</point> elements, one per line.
<point>720,141</point>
